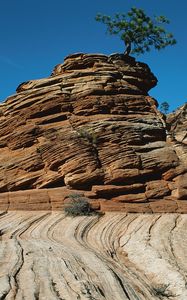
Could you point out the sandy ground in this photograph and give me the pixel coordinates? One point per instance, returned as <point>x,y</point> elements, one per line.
<point>46,255</point>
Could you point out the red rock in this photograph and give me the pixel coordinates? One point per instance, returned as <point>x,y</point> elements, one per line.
<point>95,205</point>
<point>111,190</point>
<point>138,208</point>
<point>157,189</point>
<point>91,126</point>
<point>125,207</point>
<point>141,197</point>
<point>181,187</point>
<point>4,199</point>
<point>178,124</point>
<point>180,193</point>
<point>171,173</point>
<point>162,206</point>
<point>182,206</point>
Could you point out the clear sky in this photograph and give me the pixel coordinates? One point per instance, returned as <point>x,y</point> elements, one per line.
<point>36,35</point>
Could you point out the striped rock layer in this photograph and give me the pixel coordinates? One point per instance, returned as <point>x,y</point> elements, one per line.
<point>45,255</point>
<point>91,127</point>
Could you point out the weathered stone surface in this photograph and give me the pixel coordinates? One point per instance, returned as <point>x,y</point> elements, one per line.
<point>177,125</point>
<point>181,187</point>
<point>108,191</point>
<point>136,198</point>
<point>157,189</point>
<point>119,256</point>
<point>55,198</point>
<point>91,126</point>
<point>125,207</point>
<point>162,206</point>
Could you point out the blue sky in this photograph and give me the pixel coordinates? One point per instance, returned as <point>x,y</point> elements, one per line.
<point>36,35</point>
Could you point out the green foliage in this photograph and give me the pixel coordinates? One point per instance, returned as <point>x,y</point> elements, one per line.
<point>88,135</point>
<point>164,107</point>
<point>78,206</point>
<point>138,30</point>
<point>162,292</point>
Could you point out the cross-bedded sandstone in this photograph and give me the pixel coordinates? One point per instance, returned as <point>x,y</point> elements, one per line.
<point>91,126</point>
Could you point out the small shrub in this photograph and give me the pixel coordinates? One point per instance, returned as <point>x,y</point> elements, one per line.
<point>78,206</point>
<point>88,135</point>
<point>161,291</point>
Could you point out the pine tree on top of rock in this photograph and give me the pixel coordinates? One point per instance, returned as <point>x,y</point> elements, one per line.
<point>138,31</point>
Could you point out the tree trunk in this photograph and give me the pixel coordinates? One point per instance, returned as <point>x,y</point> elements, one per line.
<point>128,49</point>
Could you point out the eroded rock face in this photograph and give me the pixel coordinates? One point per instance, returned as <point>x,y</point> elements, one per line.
<point>177,123</point>
<point>91,126</point>
<point>117,257</point>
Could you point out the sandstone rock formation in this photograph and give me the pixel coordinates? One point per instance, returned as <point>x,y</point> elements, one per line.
<point>91,126</point>
<point>177,127</point>
<point>122,256</point>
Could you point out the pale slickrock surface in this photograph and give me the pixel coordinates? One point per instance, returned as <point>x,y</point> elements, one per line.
<point>45,255</point>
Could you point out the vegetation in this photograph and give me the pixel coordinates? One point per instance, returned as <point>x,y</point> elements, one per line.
<point>164,107</point>
<point>78,206</point>
<point>162,292</point>
<point>91,138</point>
<point>138,31</point>
<point>88,135</point>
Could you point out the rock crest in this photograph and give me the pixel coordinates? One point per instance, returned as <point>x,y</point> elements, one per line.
<point>92,126</point>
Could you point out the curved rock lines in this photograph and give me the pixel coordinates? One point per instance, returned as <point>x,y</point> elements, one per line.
<point>46,255</point>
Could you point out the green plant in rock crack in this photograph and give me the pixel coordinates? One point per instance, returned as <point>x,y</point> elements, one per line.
<point>87,134</point>
<point>161,291</point>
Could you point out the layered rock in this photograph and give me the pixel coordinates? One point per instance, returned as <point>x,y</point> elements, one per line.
<point>90,126</point>
<point>177,126</point>
<point>177,135</point>
<point>121,256</point>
